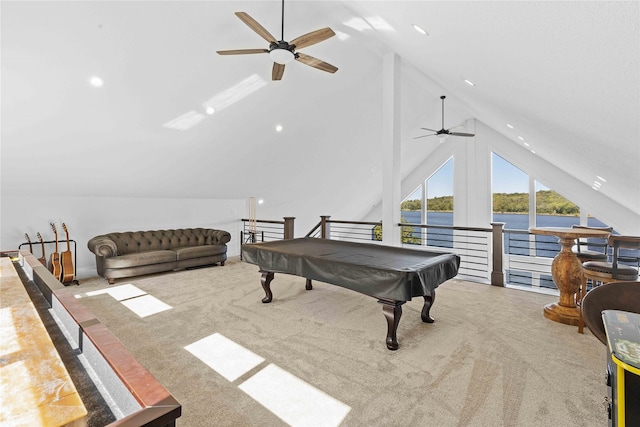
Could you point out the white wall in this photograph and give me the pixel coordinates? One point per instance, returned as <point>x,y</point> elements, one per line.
<point>87,217</point>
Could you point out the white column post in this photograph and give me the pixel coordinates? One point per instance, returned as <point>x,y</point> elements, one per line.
<point>391,150</point>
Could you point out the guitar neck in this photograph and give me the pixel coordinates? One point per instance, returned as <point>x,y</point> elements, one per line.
<point>66,231</point>
<point>55,232</point>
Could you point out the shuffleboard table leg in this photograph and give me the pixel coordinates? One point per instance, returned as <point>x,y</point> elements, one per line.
<point>265,280</point>
<point>308,286</point>
<point>428,302</point>
<point>392,311</point>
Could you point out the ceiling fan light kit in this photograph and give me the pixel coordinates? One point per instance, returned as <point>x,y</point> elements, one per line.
<point>281,56</point>
<point>282,52</point>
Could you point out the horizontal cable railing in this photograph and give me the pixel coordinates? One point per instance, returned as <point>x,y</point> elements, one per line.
<point>472,244</point>
<point>354,231</point>
<point>487,255</point>
<point>263,230</point>
<point>528,259</point>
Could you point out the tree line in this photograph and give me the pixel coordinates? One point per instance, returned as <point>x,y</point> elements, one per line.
<point>547,202</point>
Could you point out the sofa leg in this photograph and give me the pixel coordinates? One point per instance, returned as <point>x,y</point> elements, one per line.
<point>111,281</point>
<point>222,264</point>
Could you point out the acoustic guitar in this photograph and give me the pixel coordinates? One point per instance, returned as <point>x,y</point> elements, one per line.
<point>66,260</point>
<point>26,236</point>
<point>43,258</point>
<point>54,261</point>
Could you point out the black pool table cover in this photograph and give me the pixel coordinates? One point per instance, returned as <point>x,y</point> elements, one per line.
<point>379,271</point>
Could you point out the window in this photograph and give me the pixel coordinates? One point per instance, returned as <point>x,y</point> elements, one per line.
<point>510,194</point>
<point>438,210</point>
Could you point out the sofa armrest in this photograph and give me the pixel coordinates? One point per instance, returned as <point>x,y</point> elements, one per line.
<point>220,237</point>
<point>103,246</point>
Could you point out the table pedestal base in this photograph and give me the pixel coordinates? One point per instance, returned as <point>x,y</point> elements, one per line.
<point>562,314</point>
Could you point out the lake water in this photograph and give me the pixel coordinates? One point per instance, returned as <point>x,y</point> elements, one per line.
<point>512,221</point>
<point>515,243</point>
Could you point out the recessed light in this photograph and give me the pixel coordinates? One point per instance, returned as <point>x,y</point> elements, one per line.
<point>469,82</point>
<point>601,179</point>
<point>595,188</point>
<point>420,30</point>
<point>526,144</point>
<point>520,138</point>
<point>96,81</point>
<point>509,126</point>
<point>210,110</point>
<point>260,201</point>
<point>597,184</point>
<point>279,128</point>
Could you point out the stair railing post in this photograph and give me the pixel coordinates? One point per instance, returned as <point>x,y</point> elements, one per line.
<point>325,228</point>
<point>289,227</point>
<point>497,273</point>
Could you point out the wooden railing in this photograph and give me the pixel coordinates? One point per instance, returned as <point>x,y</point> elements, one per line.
<point>492,255</point>
<point>264,230</point>
<point>139,397</point>
<point>480,249</point>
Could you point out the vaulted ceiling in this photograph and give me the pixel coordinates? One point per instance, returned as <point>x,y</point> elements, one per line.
<point>564,75</point>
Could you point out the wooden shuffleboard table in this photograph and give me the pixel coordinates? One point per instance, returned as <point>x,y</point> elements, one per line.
<point>393,275</point>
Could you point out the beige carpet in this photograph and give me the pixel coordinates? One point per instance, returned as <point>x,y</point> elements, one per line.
<point>491,358</point>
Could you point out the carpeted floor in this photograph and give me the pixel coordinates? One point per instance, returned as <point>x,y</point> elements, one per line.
<point>491,358</point>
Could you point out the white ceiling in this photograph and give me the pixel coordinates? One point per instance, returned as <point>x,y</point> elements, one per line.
<point>565,74</point>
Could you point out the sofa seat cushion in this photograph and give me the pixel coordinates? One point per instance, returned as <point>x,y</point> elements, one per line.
<point>200,251</point>
<point>141,258</point>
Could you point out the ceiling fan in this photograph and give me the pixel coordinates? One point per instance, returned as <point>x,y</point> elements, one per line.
<point>444,133</point>
<point>283,52</point>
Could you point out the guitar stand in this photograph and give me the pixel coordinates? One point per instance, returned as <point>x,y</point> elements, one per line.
<point>49,242</point>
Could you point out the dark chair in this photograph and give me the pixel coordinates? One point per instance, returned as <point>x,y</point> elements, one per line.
<point>583,245</point>
<point>623,296</point>
<point>609,272</point>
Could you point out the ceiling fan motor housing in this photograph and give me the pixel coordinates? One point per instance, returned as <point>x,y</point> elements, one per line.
<point>281,52</point>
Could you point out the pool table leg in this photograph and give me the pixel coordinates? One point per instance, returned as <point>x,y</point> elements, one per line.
<point>392,311</point>
<point>428,302</point>
<point>265,280</point>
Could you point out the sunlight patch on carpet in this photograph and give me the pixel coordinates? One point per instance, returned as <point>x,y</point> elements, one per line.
<point>119,293</point>
<point>224,356</point>
<point>294,401</point>
<point>133,298</point>
<point>145,305</point>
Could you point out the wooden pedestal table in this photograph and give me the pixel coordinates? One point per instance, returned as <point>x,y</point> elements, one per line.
<point>566,271</point>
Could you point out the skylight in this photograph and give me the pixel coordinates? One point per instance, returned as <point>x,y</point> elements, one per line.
<point>235,93</point>
<point>420,30</point>
<point>185,121</point>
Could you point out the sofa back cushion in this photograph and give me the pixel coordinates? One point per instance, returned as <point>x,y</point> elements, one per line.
<point>143,241</point>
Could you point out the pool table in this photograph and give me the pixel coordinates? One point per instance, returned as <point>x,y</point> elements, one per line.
<point>392,275</point>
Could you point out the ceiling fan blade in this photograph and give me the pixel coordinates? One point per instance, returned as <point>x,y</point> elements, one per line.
<point>255,26</point>
<point>315,63</point>
<point>431,130</point>
<point>312,38</point>
<point>424,136</point>
<point>461,134</point>
<point>241,51</point>
<point>277,71</point>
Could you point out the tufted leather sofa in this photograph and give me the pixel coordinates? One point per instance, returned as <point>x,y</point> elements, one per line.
<point>136,253</point>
